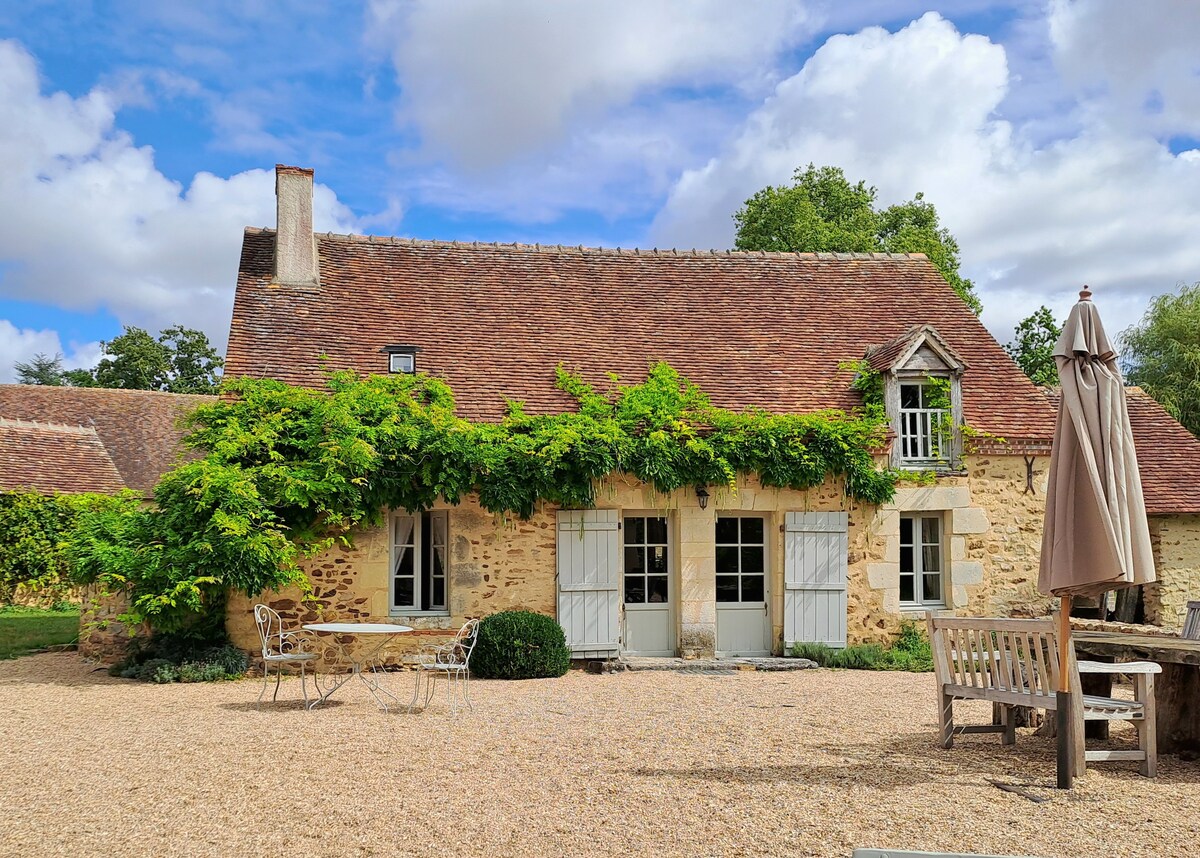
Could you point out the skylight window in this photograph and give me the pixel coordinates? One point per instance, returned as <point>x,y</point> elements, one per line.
<point>401,358</point>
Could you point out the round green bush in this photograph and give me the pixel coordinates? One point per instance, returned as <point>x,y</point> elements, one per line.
<point>520,645</point>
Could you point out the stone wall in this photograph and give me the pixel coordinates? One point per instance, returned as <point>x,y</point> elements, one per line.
<point>101,635</point>
<point>1176,540</point>
<point>494,565</point>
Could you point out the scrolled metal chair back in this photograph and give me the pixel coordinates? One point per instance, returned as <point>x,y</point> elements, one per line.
<point>270,630</point>
<point>464,643</point>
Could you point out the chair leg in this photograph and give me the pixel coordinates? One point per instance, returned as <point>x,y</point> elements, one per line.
<point>278,676</point>
<point>304,683</point>
<point>946,720</point>
<point>263,690</point>
<point>430,685</point>
<point>467,689</point>
<point>1148,726</point>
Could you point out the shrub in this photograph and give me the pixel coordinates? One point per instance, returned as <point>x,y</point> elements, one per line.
<point>910,651</point>
<point>201,653</point>
<point>520,645</point>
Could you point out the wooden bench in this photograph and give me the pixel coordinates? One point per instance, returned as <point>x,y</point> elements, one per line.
<point>1014,663</point>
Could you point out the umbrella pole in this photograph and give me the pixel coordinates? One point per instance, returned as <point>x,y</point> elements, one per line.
<point>1063,695</point>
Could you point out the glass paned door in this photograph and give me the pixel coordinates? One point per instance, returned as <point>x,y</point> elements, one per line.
<point>647,586</point>
<point>743,621</point>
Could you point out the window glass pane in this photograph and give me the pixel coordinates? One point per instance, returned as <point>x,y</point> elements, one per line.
<point>727,560</point>
<point>656,531</point>
<point>404,561</point>
<point>656,588</point>
<point>929,530</point>
<point>635,561</point>
<point>439,593</point>
<point>906,589</point>
<point>753,589</point>
<point>727,531</point>
<point>635,590</point>
<point>657,560</point>
<point>404,593</point>
<point>906,560</point>
<point>752,561</point>
<point>635,530</point>
<point>727,588</point>
<point>910,396</point>
<point>906,531</point>
<point>931,559</point>
<point>752,530</point>
<point>933,588</point>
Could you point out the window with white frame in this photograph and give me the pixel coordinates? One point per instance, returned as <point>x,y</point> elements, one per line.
<point>922,578</point>
<point>419,548</point>
<point>925,423</point>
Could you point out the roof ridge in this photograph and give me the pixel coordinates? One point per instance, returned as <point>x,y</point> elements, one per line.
<point>455,244</point>
<point>72,428</point>
<point>97,391</point>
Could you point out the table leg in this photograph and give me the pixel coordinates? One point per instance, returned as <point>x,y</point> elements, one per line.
<point>1099,684</point>
<point>1177,699</point>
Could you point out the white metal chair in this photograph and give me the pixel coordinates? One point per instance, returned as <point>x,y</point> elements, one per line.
<point>281,647</point>
<point>452,659</point>
<point>1191,623</point>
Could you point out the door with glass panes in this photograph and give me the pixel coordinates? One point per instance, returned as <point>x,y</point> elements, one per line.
<point>743,623</point>
<point>647,586</point>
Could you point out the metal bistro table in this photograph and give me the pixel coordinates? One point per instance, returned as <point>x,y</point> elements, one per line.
<point>1177,688</point>
<point>359,657</point>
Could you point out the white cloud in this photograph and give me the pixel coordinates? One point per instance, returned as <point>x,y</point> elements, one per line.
<point>916,110</point>
<point>20,344</point>
<point>485,83</point>
<point>87,220</point>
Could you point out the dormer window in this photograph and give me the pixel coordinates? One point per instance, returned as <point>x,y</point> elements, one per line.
<point>926,424</point>
<point>401,358</point>
<point>922,378</point>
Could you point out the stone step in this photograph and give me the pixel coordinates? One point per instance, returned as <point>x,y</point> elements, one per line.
<point>700,665</point>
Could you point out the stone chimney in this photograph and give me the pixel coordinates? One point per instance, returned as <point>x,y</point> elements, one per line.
<point>295,245</point>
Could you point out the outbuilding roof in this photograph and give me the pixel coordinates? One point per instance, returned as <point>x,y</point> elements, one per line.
<point>1168,457</point>
<point>771,330</point>
<point>46,457</point>
<point>139,429</point>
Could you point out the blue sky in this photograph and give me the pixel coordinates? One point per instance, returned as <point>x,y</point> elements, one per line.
<point>1058,140</point>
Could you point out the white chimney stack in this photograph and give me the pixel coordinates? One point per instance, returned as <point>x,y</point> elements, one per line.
<point>295,244</point>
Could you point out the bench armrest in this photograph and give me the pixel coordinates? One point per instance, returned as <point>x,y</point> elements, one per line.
<point>1119,667</point>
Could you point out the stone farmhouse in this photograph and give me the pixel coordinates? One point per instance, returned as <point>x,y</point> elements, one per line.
<point>705,570</point>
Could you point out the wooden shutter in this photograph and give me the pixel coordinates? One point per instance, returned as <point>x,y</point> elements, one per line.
<point>814,578</point>
<point>589,582</point>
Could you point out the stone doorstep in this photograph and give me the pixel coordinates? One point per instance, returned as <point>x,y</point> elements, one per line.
<point>700,665</point>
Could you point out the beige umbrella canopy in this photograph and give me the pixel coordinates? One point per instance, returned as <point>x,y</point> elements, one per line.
<point>1096,537</point>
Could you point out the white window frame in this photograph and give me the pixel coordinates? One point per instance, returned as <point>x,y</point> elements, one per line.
<point>417,545</point>
<point>402,363</point>
<point>918,554</point>
<point>926,425</point>
<point>739,545</point>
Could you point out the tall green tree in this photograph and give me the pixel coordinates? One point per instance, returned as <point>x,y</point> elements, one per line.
<point>1033,346</point>
<point>179,360</point>
<point>40,369</point>
<point>822,211</point>
<point>1161,354</point>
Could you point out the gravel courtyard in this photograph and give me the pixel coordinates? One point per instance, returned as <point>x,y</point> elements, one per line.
<point>807,763</point>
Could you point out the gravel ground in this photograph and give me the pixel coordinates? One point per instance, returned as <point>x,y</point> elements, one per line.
<point>813,763</point>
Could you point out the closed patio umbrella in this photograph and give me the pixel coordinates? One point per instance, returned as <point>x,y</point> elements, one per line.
<point>1096,537</point>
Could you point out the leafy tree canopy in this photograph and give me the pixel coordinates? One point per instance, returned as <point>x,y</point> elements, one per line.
<point>1162,354</point>
<point>823,211</point>
<point>1033,346</point>
<point>40,369</point>
<point>180,360</point>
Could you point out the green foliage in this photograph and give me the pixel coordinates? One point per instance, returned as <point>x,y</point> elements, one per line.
<point>201,653</point>
<point>288,470</point>
<point>34,532</point>
<point>909,652</point>
<point>1162,354</point>
<point>40,369</point>
<point>823,211</point>
<point>180,360</point>
<point>1033,346</point>
<point>520,645</point>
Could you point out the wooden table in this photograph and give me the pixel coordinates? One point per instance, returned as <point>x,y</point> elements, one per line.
<point>1177,688</point>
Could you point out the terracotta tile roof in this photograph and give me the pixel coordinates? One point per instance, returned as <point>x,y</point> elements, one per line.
<point>1168,457</point>
<point>138,428</point>
<point>761,329</point>
<point>48,458</point>
<point>884,357</point>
